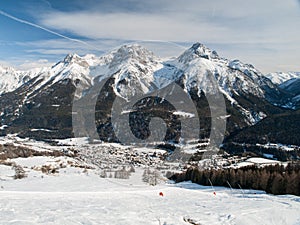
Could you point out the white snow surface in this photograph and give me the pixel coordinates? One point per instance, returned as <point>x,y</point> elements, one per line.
<point>74,197</point>
<point>281,77</point>
<point>184,114</point>
<point>258,160</point>
<point>78,195</point>
<point>11,79</point>
<point>73,141</point>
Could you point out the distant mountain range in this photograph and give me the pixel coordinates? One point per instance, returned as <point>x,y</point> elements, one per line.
<point>38,103</point>
<point>290,83</point>
<point>281,77</point>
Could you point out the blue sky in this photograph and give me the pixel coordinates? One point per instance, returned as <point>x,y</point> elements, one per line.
<point>40,32</point>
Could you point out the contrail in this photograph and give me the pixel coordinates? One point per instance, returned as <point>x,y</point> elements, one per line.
<point>46,29</point>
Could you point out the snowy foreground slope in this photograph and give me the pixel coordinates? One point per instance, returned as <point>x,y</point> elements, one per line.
<point>72,191</point>
<point>88,199</point>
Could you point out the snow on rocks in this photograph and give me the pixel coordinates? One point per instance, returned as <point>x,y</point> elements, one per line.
<point>281,77</point>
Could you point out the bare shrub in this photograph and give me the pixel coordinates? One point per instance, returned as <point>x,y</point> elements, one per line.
<point>19,172</point>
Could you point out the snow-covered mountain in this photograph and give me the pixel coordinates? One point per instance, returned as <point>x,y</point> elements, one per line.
<point>29,84</point>
<point>137,70</point>
<point>45,100</point>
<point>292,86</point>
<point>233,76</point>
<point>47,94</point>
<point>281,77</point>
<point>11,79</point>
<point>132,67</point>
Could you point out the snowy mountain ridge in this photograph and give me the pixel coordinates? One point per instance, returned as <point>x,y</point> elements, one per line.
<point>132,70</point>
<point>233,77</point>
<point>130,59</point>
<point>281,77</point>
<point>136,69</point>
<point>11,79</point>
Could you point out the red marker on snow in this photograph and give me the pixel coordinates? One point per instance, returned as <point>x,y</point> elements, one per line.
<point>215,193</point>
<point>161,194</point>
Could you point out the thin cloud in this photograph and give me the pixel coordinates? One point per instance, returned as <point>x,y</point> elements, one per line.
<point>43,28</point>
<point>263,33</point>
<point>266,29</point>
<point>27,65</point>
<point>63,46</point>
<point>131,26</point>
<point>215,21</point>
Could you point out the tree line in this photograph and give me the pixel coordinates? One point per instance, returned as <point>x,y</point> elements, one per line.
<point>274,179</point>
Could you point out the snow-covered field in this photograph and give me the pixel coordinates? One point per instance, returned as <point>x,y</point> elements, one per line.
<point>77,197</point>
<point>75,193</point>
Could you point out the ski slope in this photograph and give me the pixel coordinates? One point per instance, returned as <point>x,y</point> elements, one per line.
<point>76,197</point>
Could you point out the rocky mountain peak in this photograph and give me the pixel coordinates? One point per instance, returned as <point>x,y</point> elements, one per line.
<point>71,57</point>
<point>198,50</point>
<point>203,51</point>
<point>75,59</point>
<point>133,53</point>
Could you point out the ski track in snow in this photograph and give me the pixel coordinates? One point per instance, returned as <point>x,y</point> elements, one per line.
<point>126,204</point>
